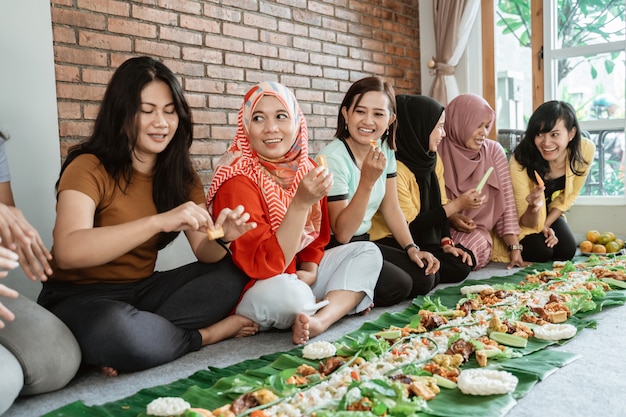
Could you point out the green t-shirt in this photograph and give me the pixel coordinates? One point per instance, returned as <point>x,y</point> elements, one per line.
<point>346,176</point>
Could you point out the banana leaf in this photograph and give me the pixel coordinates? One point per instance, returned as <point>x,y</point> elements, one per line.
<point>214,387</point>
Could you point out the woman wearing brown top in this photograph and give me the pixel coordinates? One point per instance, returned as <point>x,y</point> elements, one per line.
<point>123,195</point>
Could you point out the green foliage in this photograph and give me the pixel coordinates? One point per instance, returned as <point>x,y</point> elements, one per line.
<point>613,181</point>
<point>580,22</point>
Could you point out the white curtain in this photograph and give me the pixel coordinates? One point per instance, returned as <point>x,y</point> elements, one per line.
<point>445,87</point>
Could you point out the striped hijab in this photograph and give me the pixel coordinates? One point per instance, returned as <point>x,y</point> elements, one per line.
<point>278,179</point>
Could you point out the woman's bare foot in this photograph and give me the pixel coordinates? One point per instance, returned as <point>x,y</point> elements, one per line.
<point>231,326</point>
<point>316,326</point>
<point>367,310</point>
<point>300,329</point>
<point>108,371</point>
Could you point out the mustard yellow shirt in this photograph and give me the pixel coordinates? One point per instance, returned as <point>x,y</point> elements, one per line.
<point>562,200</point>
<point>408,197</point>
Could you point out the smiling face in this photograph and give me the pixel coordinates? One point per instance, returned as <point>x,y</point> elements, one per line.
<point>438,133</point>
<point>553,144</point>
<point>157,122</point>
<point>369,120</point>
<point>479,135</point>
<point>272,130</point>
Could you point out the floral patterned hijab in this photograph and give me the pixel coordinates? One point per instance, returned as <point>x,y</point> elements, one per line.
<point>278,179</point>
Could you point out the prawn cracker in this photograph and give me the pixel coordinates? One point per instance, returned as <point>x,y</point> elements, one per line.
<point>321,161</point>
<point>215,233</point>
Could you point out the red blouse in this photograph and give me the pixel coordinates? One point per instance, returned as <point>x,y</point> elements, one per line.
<point>257,252</point>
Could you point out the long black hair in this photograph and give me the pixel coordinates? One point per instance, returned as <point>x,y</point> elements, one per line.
<point>116,129</point>
<point>543,121</point>
<point>352,99</point>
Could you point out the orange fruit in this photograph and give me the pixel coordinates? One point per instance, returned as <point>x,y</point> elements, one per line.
<point>586,246</point>
<point>620,242</point>
<point>612,247</point>
<point>592,236</point>
<point>598,248</point>
<point>606,238</point>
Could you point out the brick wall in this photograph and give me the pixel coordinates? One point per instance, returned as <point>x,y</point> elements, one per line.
<point>219,48</point>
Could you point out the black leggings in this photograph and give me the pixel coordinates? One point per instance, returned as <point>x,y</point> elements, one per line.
<point>535,249</point>
<point>139,325</point>
<point>451,268</point>
<point>400,278</point>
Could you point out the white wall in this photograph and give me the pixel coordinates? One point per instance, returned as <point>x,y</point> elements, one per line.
<point>28,113</point>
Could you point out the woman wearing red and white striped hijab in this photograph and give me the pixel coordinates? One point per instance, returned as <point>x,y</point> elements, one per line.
<point>489,230</point>
<point>293,281</point>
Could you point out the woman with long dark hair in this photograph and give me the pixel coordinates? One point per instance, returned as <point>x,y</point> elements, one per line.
<point>123,195</point>
<point>548,169</point>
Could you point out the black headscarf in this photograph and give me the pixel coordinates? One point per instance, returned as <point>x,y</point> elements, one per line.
<point>417,117</point>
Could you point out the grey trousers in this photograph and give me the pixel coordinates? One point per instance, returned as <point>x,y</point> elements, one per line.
<point>38,353</point>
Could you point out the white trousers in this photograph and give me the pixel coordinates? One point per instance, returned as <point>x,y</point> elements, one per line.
<point>275,302</point>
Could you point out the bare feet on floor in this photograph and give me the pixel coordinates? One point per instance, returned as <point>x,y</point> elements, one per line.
<point>367,310</point>
<point>231,326</point>
<point>300,329</point>
<point>108,371</point>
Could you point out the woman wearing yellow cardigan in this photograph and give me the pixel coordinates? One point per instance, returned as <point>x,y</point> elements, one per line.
<point>548,169</point>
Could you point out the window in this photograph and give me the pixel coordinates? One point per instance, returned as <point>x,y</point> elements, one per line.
<point>585,56</point>
<point>584,59</point>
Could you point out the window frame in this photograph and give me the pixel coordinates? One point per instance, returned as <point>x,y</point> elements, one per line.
<point>551,56</point>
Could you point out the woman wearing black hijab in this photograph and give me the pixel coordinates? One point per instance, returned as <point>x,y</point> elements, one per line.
<point>421,187</point>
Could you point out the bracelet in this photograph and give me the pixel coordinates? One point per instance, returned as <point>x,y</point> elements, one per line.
<point>409,246</point>
<point>224,246</point>
<point>447,241</point>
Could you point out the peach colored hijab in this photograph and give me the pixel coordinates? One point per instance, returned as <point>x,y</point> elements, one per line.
<point>278,179</point>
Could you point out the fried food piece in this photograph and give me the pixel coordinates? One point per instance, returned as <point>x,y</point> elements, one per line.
<point>215,233</point>
<point>321,160</point>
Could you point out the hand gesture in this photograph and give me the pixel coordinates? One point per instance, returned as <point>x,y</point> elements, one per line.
<point>20,236</point>
<point>536,198</point>
<point>234,222</point>
<point>462,223</point>
<point>313,187</point>
<point>187,216</point>
<point>423,258</point>
<point>373,166</point>
<point>8,260</point>
<point>471,199</point>
<point>456,252</point>
<point>516,260</point>
<point>5,313</point>
<point>551,239</point>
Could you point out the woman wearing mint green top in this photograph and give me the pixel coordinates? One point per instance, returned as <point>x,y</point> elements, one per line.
<point>363,165</point>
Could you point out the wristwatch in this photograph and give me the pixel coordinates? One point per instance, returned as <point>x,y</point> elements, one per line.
<point>409,246</point>
<point>516,247</point>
